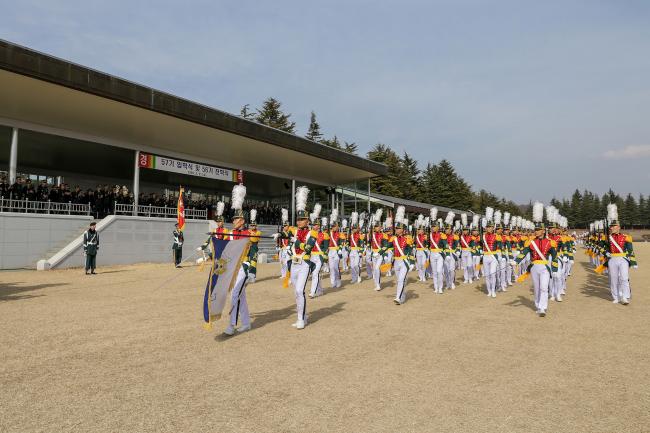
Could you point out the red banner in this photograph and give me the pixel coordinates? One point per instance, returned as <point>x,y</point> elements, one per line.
<point>180,211</point>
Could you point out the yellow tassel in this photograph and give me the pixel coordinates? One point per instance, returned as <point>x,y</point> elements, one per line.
<point>600,269</point>
<point>285,283</point>
<point>602,259</point>
<point>207,326</point>
<point>426,265</point>
<point>385,267</point>
<point>523,277</point>
<point>478,267</point>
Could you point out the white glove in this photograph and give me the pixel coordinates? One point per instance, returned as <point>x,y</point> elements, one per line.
<point>565,259</point>
<point>375,255</point>
<point>513,263</point>
<point>555,274</point>
<point>199,249</point>
<point>411,267</point>
<point>275,236</point>
<point>635,267</point>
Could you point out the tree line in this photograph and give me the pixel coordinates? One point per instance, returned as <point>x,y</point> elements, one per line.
<point>440,184</point>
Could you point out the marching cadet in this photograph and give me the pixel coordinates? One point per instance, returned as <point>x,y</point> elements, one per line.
<point>543,256</point>
<point>490,247</point>
<point>318,256</point>
<point>91,246</point>
<point>177,246</point>
<point>476,249</point>
<point>502,262</point>
<point>283,244</point>
<point>466,248</point>
<point>514,239</point>
<point>421,249</point>
<point>437,245</point>
<point>356,246</point>
<point>344,247</point>
<point>220,231</point>
<point>254,246</point>
<point>238,303</point>
<point>301,248</point>
<point>378,241</point>
<point>619,253</point>
<point>507,250</point>
<point>450,252</point>
<point>334,250</point>
<point>388,257</point>
<point>555,286</point>
<point>402,245</point>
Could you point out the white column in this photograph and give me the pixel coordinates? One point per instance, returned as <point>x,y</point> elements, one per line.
<point>13,156</point>
<point>293,202</point>
<point>136,183</point>
<point>368,196</point>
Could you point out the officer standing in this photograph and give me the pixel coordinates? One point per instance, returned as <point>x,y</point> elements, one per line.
<point>177,246</point>
<point>91,245</point>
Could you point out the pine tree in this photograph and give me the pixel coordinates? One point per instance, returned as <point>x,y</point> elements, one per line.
<point>271,114</point>
<point>389,184</point>
<point>314,133</point>
<point>629,211</point>
<point>350,148</point>
<point>334,142</point>
<point>412,178</point>
<point>246,113</point>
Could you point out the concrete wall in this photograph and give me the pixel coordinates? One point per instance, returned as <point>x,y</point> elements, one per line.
<point>128,239</point>
<point>26,238</point>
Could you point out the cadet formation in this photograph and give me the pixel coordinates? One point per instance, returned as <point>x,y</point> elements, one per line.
<point>496,248</point>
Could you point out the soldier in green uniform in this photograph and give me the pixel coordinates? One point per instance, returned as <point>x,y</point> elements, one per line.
<point>91,245</point>
<point>177,246</point>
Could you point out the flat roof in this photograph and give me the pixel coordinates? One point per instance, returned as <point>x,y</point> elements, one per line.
<point>41,90</point>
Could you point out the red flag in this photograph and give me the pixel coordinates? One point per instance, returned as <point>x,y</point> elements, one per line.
<point>180,211</point>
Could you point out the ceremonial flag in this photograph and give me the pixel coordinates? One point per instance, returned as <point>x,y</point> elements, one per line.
<point>228,256</point>
<point>180,211</point>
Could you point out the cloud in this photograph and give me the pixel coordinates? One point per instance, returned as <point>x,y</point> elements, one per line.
<point>628,152</point>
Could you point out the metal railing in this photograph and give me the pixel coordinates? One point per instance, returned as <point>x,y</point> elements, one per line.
<point>44,207</point>
<point>159,211</point>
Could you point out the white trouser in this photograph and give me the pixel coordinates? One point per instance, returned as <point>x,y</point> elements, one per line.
<point>619,277</point>
<point>389,259</point>
<point>513,272</point>
<point>316,285</point>
<point>450,271</point>
<point>420,262</point>
<point>503,265</point>
<point>556,281</point>
<point>284,261</point>
<point>490,264</point>
<point>335,272</point>
<point>345,253</point>
<point>299,274</point>
<point>377,261</point>
<point>369,262</point>
<point>476,260</point>
<point>540,276</point>
<point>355,263</point>
<point>567,266</point>
<point>468,265</point>
<point>436,263</point>
<point>401,268</point>
<point>238,303</point>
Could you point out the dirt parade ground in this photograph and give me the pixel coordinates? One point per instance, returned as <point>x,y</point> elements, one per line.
<point>124,351</point>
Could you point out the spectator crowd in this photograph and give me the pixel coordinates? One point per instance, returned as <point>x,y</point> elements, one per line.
<point>102,198</point>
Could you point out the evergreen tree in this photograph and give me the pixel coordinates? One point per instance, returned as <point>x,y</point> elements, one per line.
<point>314,133</point>
<point>576,212</point>
<point>271,114</point>
<point>246,113</point>
<point>334,142</point>
<point>412,190</point>
<point>629,211</point>
<point>389,184</point>
<point>350,148</point>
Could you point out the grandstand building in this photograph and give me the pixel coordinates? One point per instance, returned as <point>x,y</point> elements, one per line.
<point>63,123</point>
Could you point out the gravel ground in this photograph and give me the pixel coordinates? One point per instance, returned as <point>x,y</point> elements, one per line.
<point>124,351</point>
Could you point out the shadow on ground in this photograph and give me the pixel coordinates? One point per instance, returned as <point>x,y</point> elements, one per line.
<point>595,285</point>
<point>14,292</point>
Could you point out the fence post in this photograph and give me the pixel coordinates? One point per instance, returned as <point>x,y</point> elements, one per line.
<point>88,211</point>
<point>149,215</point>
<point>69,207</point>
<point>48,206</point>
<point>115,207</point>
<point>26,205</point>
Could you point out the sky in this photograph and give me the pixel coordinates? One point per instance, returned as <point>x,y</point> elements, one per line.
<point>528,99</point>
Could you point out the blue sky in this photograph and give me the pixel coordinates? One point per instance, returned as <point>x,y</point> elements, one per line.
<point>528,99</point>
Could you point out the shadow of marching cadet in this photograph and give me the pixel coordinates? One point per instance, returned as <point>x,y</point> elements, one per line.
<point>596,286</point>
<point>522,301</point>
<point>11,291</point>
<point>324,312</point>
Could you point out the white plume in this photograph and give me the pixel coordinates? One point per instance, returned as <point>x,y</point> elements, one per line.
<point>334,216</point>
<point>420,221</point>
<point>449,219</point>
<point>489,213</point>
<point>344,224</point>
<point>427,222</point>
<point>302,192</point>
<point>612,212</point>
<point>238,195</point>
<point>323,222</point>
<point>550,213</point>
<point>497,217</point>
<point>362,222</point>
<point>354,218</point>
<point>316,213</point>
<point>538,212</point>
<point>220,206</point>
<point>463,219</point>
<point>439,220</point>
<point>399,214</point>
<point>484,222</point>
<point>506,218</point>
<point>285,215</point>
<point>388,222</point>
<point>253,215</point>
<point>433,213</point>
<point>457,224</point>
<point>378,213</point>
<point>475,220</point>
<point>591,227</point>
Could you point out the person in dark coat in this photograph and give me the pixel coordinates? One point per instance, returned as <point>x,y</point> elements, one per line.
<point>177,246</point>
<point>91,246</point>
